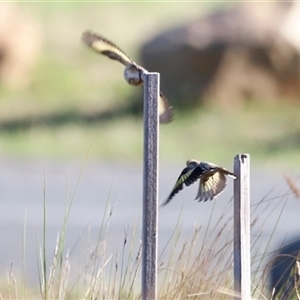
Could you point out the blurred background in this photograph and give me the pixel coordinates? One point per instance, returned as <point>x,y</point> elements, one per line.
<point>230,70</point>
<point>230,83</point>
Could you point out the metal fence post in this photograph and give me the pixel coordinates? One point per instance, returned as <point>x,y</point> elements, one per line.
<point>150,186</point>
<point>242,258</point>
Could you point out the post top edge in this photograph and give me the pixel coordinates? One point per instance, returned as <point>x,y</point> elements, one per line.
<point>150,73</point>
<point>242,157</point>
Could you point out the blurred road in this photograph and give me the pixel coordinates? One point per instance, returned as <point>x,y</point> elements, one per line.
<point>22,186</point>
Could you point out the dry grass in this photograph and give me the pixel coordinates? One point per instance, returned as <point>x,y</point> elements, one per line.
<point>292,185</point>
<point>193,266</point>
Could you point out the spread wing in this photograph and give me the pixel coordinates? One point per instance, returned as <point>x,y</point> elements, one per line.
<point>188,176</point>
<point>108,48</point>
<point>164,109</point>
<point>211,185</point>
<point>224,171</point>
<point>105,47</point>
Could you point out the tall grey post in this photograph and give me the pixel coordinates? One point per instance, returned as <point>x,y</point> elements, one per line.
<point>150,186</point>
<point>242,258</point>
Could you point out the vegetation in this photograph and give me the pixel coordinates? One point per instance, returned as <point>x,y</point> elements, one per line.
<point>196,265</point>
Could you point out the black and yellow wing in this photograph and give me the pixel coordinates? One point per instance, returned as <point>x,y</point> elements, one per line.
<point>106,47</point>
<point>188,176</point>
<point>164,109</point>
<point>210,186</point>
<point>109,49</point>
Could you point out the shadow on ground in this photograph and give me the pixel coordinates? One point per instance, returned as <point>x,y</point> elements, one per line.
<point>288,141</point>
<point>70,117</point>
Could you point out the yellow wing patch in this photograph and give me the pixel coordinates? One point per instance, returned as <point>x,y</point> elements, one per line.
<point>182,179</point>
<point>179,184</point>
<point>211,186</point>
<point>106,47</point>
<point>164,109</point>
<point>132,70</point>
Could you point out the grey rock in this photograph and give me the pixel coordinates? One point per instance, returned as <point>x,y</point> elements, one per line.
<point>228,56</point>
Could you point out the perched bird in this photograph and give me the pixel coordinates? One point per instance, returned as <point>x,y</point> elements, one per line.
<point>132,73</point>
<point>212,180</point>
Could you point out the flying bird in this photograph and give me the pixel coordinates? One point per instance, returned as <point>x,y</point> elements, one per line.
<point>132,73</point>
<point>212,180</point>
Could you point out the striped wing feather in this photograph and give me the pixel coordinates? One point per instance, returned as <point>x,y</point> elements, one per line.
<point>109,49</point>
<point>197,172</point>
<point>164,109</point>
<point>105,47</point>
<point>211,186</point>
<point>184,178</point>
<point>226,172</point>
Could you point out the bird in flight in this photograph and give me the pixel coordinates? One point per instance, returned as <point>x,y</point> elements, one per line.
<point>132,73</point>
<point>212,180</point>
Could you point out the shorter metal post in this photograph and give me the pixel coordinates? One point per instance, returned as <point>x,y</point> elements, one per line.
<point>242,258</point>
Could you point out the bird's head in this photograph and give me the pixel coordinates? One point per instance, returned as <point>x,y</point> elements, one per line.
<point>133,74</point>
<point>192,163</point>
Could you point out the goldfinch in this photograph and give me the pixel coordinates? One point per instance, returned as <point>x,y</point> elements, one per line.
<point>132,73</point>
<point>212,180</point>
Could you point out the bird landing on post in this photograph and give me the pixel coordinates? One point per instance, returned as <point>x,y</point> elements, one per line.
<point>212,180</point>
<point>132,73</point>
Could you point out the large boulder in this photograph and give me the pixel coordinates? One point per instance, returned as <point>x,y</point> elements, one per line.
<point>243,52</point>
